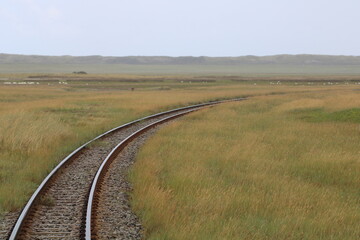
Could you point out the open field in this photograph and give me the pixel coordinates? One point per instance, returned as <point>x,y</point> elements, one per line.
<point>271,167</point>
<point>243,69</point>
<point>303,64</point>
<point>40,124</point>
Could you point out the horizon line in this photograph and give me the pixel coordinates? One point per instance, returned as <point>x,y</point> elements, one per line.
<point>180,56</point>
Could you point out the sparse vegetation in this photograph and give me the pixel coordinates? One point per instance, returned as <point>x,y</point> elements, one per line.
<point>47,201</point>
<point>272,167</point>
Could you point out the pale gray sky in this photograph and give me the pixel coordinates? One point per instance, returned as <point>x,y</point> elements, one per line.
<point>180,27</point>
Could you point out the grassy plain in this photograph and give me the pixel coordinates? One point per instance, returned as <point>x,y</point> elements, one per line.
<point>243,69</point>
<point>40,124</point>
<point>272,167</point>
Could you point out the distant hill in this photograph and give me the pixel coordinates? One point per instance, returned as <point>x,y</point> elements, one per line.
<point>304,59</point>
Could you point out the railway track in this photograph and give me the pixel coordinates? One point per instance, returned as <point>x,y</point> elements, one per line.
<point>69,201</point>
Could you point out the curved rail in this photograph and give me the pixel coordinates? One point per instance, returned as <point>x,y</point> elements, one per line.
<point>105,164</point>
<point>24,213</point>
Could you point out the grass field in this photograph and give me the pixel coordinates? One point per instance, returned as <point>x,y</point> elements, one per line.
<point>243,69</point>
<point>40,124</point>
<point>271,167</point>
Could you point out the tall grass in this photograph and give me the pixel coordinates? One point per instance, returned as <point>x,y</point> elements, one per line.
<point>40,125</point>
<point>254,170</point>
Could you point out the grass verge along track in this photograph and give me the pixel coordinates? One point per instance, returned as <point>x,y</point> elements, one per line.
<point>56,210</point>
<point>274,167</point>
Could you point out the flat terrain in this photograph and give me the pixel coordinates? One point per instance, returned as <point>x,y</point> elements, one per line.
<point>270,167</point>
<point>244,69</point>
<point>42,123</point>
<point>43,117</point>
<point>152,65</point>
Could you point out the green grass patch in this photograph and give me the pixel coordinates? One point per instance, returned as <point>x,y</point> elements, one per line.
<point>319,115</point>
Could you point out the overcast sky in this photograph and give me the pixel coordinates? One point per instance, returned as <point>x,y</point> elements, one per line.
<point>180,27</point>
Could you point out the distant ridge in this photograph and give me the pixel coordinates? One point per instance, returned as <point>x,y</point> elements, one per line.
<point>303,59</point>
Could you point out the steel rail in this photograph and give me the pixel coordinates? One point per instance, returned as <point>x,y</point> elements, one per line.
<point>101,171</point>
<point>26,210</point>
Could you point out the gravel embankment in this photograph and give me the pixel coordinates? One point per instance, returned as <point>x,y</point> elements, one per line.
<point>114,219</point>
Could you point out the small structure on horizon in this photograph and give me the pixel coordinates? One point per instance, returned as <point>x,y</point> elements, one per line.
<point>80,72</point>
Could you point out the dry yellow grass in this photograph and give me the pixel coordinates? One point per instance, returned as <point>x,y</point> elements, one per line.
<point>272,167</point>
<point>39,125</point>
